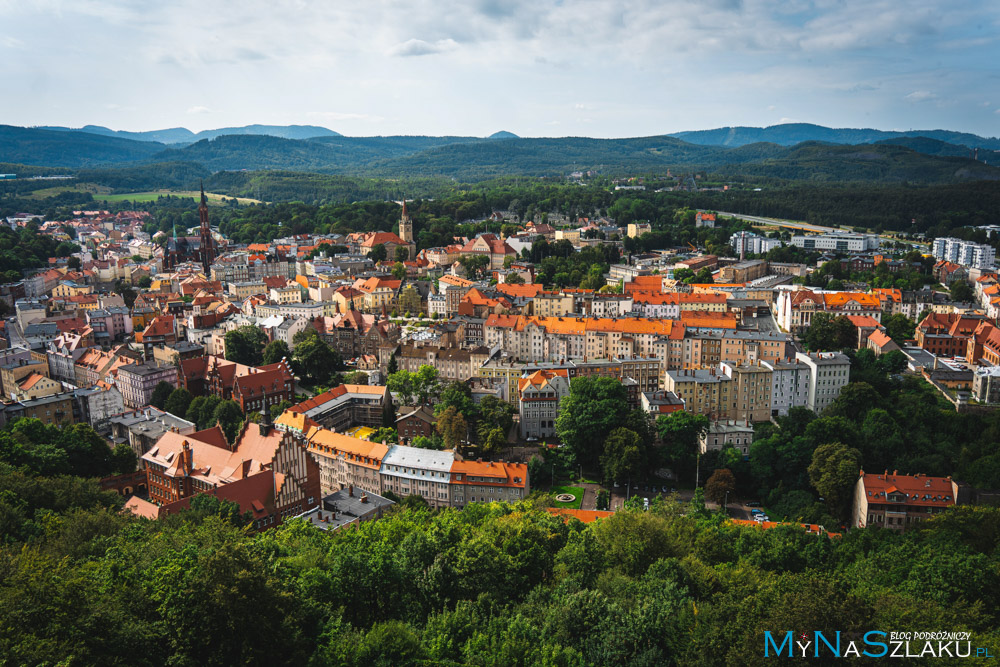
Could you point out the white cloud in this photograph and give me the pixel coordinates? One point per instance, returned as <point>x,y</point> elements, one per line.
<point>920,96</point>
<point>418,47</point>
<point>199,110</point>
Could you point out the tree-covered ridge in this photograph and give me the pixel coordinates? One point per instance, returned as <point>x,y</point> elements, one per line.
<point>475,159</point>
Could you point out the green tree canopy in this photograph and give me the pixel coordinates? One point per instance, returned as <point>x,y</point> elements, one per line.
<point>161,392</point>
<point>245,345</point>
<point>275,351</point>
<point>591,411</point>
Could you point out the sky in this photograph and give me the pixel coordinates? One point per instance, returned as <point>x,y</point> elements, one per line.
<point>599,68</point>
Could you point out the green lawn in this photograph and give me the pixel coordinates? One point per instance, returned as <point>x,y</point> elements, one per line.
<point>575,490</point>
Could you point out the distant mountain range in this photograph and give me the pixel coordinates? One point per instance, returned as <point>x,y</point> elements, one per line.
<point>874,156</point>
<point>790,134</point>
<point>182,135</point>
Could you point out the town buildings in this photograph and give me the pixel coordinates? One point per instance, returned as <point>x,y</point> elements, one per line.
<point>348,405</point>
<point>442,478</point>
<point>265,471</point>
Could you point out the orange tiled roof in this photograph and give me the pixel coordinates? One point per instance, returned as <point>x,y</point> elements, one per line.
<point>863,321</point>
<point>512,474</point>
<point>357,451</point>
<point>586,516</point>
<point>810,528</point>
<point>841,299</point>
<point>700,318</point>
<point>541,377</point>
<point>528,291</point>
<point>920,490</point>
<point>880,338</point>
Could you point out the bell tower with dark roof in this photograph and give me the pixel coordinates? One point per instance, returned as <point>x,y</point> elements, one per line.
<point>207,240</point>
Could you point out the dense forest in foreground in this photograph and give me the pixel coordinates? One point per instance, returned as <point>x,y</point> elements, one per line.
<point>489,585</point>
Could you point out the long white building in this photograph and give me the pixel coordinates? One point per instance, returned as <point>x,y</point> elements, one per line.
<point>837,241</point>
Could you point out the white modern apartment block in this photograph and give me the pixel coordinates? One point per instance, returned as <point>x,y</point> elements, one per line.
<point>828,373</point>
<point>750,243</point>
<point>789,385</point>
<point>837,242</point>
<point>966,253</point>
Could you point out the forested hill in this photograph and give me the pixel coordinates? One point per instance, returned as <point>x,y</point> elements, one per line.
<point>473,159</point>
<point>55,148</point>
<point>789,134</point>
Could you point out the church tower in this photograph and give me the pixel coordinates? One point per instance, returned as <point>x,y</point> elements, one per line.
<point>405,225</point>
<point>207,248</point>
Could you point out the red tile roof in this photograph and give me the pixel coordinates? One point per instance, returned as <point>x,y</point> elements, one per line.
<point>586,516</point>
<point>920,490</point>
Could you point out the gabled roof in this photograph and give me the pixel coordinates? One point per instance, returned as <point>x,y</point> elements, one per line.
<point>863,321</point>
<point>920,490</point>
<point>540,379</point>
<point>31,381</point>
<point>376,238</point>
<point>880,338</point>
<point>526,291</point>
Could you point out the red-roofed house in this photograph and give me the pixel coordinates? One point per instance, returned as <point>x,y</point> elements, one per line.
<point>160,331</point>
<point>898,501</point>
<point>267,473</point>
<point>880,343</point>
<point>488,244</point>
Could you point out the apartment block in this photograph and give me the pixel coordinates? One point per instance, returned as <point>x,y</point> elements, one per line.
<point>828,373</point>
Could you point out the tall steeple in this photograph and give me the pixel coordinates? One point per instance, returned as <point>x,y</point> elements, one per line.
<point>405,225</point>
<point>207,249</point>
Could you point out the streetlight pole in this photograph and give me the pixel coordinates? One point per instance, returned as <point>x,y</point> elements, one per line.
<point>725,504</point>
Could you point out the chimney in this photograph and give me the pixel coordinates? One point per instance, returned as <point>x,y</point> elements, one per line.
<point>350,490</point>
<point>364,499</point>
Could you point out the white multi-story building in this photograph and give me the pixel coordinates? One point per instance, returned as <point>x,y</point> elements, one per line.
<point>828,373</point>
<point>789,385</point>
<point>837,241</point>
<point>966,253</point>
<point>425,472</point>
<point>750,243</point>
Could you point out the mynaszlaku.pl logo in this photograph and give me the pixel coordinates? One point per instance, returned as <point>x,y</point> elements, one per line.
<point>872,644</point>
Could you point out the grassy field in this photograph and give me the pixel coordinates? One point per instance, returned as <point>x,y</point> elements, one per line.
<point>212,197</point>
<point>575,490</point>
<point>95,190</point>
